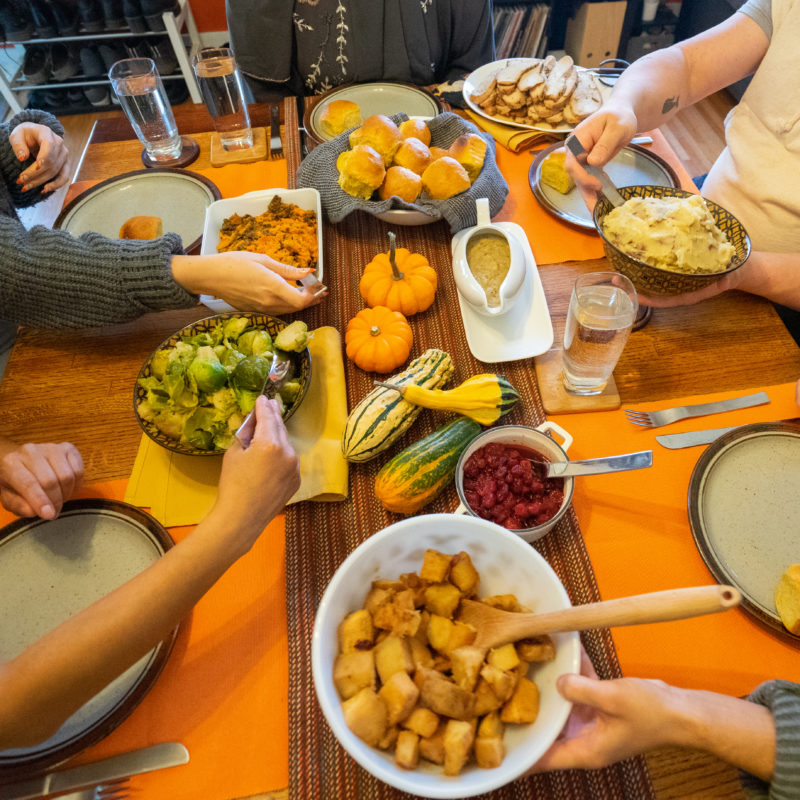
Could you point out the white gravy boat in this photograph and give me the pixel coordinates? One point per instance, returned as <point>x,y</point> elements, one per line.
<point>466,283</point>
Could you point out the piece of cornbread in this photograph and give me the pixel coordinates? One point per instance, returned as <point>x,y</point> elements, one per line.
<point>554,174</point>
<point>787,599</point>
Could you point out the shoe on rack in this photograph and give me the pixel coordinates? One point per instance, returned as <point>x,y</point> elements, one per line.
<point>152,10</point>
<point>54,98</point>
<point>160,50</point>
<point>76,98</point>
<point>91,64</point>
<point>65,16</point>
<point>91,16</point>
<point>36,64</point>
<point>176,91</point>
<point>43,22</point>
<point>110,53</point>
<point>112,12</point>
<point>132,11</point>
<point>97,96</point>
<point>17,24</point>
<point>137,48</point>
<point>63,61</point>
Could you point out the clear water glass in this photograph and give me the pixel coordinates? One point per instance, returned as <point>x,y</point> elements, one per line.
<point>601,312</point>
<point>138,86</point>
<point>221,86</point>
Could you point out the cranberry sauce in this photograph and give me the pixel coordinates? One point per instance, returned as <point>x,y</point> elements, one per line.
<point>503,484</point>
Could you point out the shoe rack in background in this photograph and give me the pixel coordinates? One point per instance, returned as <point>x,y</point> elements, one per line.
<point>66,47</point>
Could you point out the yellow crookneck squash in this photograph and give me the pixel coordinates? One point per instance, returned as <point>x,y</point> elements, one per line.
<point>378,339</point>
<point>400,280</point>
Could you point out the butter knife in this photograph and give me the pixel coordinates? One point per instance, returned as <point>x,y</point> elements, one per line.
<point>146,759</point>
<point>606,184</point>
<point>674,441</point>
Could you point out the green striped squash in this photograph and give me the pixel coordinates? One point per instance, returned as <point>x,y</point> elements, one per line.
<point>383,416</point>
<point>417,474</point>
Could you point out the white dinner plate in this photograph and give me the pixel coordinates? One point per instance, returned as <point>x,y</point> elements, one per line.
<point>479,79</point>
<point>525,330</point>
<point>52,569</point>
<point>375,98</point>
<point>178,196</point>
<point>632,166</point>
<point>744,512</point>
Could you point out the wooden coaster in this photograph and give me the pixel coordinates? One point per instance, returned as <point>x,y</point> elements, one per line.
<point>257,152</point>
<point>188,154</point>
<point>557,400</point>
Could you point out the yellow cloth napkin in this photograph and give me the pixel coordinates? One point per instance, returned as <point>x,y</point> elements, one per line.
<point>179,490</point>
<point>515,139</point>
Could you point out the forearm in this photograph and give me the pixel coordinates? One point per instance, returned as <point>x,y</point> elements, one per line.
<point>775,276</point>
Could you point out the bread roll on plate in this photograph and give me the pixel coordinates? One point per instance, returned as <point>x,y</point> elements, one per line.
<point>416,128</point>
<point>414,155</point>
<point>141,228</point>
<point>401,182</point>
<point>444,178</point>
<point>470,151</point>
<point>379,133</point>
<point>338,116</point>
<point>361,171</point>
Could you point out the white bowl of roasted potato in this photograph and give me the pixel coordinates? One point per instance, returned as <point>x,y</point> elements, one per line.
<point>397,676</point>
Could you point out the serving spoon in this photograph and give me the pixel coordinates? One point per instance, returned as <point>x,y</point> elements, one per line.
<point>595,466</point>
<point>496,627</point>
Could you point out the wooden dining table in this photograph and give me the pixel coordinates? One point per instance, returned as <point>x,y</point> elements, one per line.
<point>730,343</point>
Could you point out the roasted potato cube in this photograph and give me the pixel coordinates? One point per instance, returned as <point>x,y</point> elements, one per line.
<point>421,656</point>
<point>383,583</point>
<point>439,630</point>
<point>399,615</point>
<point>422,631</point>
<point>491,727</point>
<point>466,664</point>
<point>389,738</point>
<point>489,752</point>
<point>463,573</point>
<point>461,635</point>
<point>485,698</point>
<point>524,703</point>
<point>416,584</point>
<point>432,747</point>
<point>445,698</point>
<point>435,566</point>
<point>504,657</point>
<point>376,597</point>
<point>442,599</point>
<point>356,632</point>
<point>542,648</point>
<point>353,672</point>
<point>458,738</point>
<point>505,602</point>
<point>392,655</point>
<point>400,695</point>
<point>503,683</point>
<point>422,721</point>
<point>365,714</point>
<point>406,753</point>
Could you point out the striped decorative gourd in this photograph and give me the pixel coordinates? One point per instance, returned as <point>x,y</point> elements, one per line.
<point>383,416</point>
<point>417,474</point>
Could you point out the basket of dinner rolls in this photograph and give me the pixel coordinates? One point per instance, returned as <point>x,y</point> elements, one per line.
<point>438,167</point>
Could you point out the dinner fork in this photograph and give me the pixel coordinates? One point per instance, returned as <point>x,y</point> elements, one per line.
<point>655,419</point>
<point>116,790</point>
<point>275,143</point>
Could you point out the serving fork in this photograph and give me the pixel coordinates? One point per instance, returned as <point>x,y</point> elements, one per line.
<point>116,790</point>
<point>275,143</point>
<point>655,419</point>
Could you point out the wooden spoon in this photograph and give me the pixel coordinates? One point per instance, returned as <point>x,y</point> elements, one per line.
<point>496,627</point>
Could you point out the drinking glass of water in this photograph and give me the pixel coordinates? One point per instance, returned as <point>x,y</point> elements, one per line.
<point>138,86</point>
<point>221,86</point>
<point>602,309</point>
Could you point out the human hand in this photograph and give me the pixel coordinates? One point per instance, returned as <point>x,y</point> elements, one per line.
<point>247,281</point>
<point>36,479</point>
<point>51,168</point>
<point>256,483</point>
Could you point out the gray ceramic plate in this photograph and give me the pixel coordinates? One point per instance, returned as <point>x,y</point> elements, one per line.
<point>178,196</point>
<point>51,569</point>
<point>632,166</point>
<point>744,512</point>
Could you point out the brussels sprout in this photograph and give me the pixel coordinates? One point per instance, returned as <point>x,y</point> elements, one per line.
<point>204,339</point>
<point>246,399</point>
<point>234,327</point>
<point>207,371</point>
<point>293,337</point>
<point>290,391</point>
<point>182,353</point>
<point>171,422</point>
<point>230,358</point>
<point>224,401</point>
<point>223,440</point>
<point>250,373</point>
<point>254,342</point>
<point>158,363</point>
<point>200,428</point>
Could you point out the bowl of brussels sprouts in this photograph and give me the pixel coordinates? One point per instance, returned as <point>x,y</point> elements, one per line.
<point>197,387</point>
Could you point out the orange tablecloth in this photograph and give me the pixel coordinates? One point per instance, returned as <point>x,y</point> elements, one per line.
<point>636,529</point>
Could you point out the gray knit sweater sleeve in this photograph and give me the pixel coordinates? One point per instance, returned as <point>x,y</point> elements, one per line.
<point>11,166</point>
<point>782,698</point>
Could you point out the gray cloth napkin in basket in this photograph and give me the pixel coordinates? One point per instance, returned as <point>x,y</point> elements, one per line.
<point>318,171</point>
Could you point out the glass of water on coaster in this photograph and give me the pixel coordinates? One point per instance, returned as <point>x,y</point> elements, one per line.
<point>221,86</point>
<point>601,313</point>
<point>138,86</point>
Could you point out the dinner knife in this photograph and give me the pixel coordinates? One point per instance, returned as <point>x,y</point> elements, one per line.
<point>606,184</point>
<point>145,759</point>
<point>675,441</point>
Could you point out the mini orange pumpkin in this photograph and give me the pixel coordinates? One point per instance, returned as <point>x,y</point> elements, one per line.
<point>378,339</point>
<point>400,280</point>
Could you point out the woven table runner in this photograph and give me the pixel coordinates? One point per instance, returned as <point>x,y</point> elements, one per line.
<point>319,536</point>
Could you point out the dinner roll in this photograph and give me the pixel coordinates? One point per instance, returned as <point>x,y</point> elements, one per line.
<point>338,116</point>
<point>414,155</point>
<point>438,152</point>
<point>445,177</point>
<point>141,228</point>
<point>402,183</point>
<point>381,134</point>
<point>787,599</point>
<point>470,151</point>
<point>361,171</point>
<point>416,128</point>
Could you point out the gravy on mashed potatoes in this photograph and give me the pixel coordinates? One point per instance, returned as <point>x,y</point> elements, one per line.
<point>489,259</point>
<point>672,233</point>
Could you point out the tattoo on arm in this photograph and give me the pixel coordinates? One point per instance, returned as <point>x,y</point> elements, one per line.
<point>669,104</point>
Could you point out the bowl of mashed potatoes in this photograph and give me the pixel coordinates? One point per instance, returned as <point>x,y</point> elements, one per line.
<point>668,241</point>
